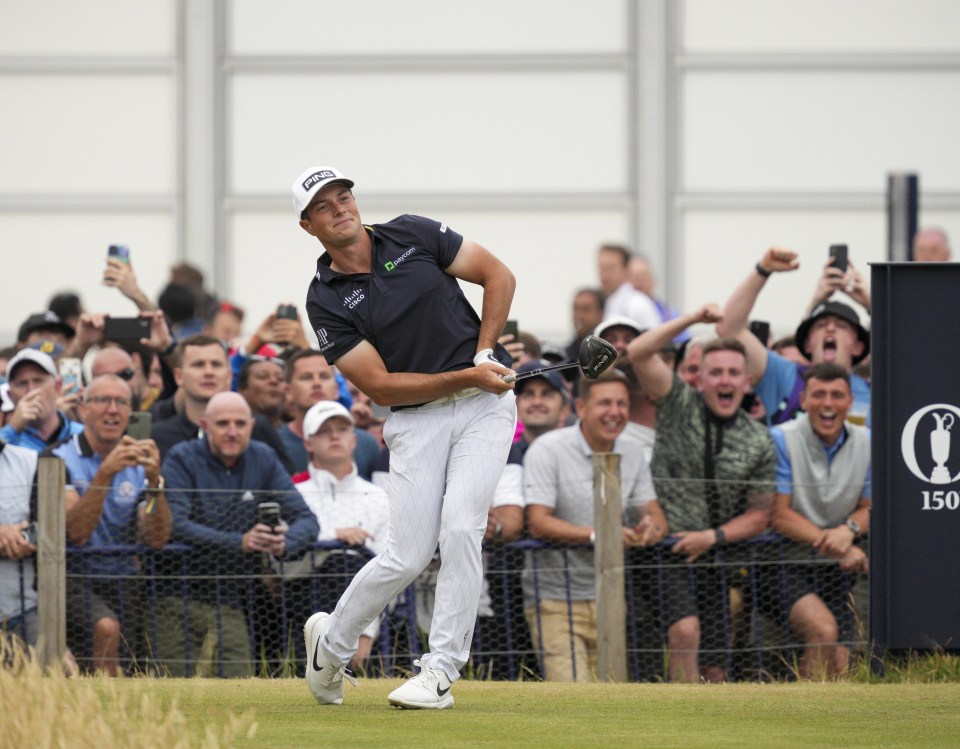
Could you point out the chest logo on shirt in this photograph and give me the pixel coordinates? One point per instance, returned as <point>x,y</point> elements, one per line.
<point>126,491</point>
<point>391,264</point>
<point>354,298</point>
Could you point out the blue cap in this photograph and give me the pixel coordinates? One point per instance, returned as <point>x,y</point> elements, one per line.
<point>553,378</point>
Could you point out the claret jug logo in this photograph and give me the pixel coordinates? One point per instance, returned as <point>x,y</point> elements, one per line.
<point>929,459</point>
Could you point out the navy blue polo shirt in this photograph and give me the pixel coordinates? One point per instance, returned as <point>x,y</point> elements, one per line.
<point>411,311</point>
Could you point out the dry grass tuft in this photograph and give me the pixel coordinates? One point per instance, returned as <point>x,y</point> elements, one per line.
<point>42,711</point>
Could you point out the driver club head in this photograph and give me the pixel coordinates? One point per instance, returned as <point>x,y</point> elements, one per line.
<point>596,356</point>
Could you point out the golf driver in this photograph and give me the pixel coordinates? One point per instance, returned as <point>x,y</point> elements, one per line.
<point>595,357</point>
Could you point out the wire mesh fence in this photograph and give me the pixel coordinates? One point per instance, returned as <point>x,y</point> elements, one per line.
<point>173,617</point>
<point>751,610</point>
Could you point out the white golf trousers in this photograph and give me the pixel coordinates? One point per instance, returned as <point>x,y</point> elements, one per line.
<point>445,462</point>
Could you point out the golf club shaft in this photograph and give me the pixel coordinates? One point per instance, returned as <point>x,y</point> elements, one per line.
<point>537,372</point>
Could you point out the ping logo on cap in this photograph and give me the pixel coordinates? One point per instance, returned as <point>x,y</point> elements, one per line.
<point>317,177</point>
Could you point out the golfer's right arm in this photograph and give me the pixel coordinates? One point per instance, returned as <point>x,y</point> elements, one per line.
<point>363,366</point>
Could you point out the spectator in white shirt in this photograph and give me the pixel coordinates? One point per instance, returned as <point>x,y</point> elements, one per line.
<point>349,509</point>
<point>622,299</point>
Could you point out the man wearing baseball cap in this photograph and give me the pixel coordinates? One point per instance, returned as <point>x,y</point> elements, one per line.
<point>618,331</point>
<point>543,403</point>
<point>44,326</point>
<point>348,508</point>
<point>388,311</point>
<point>831,332</point>
<point>35,422</point>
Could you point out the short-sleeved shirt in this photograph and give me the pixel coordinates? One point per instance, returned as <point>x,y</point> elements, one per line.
<point>118,519</point>
<point>18,468</point>
<point>782,381</point>
<point>30,438</point>
<point>744,461</point>
<point>627,301</point>
<point>558,473</point>
<point>412,312</point>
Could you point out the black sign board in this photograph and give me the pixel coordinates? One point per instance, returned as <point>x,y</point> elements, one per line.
<point>915,412</point>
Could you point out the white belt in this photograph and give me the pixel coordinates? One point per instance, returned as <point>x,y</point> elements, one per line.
<point>454,396</point>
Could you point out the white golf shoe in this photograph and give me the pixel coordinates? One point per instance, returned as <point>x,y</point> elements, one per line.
<point>324,677</point>
<point>428,690</point>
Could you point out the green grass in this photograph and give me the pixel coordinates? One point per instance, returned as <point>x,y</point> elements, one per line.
<point>497,714</point>
<point>917,704</point>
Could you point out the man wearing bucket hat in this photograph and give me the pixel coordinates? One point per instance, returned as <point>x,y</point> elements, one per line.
<point>832,332</point>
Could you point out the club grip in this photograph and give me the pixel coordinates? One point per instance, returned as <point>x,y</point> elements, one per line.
<point>510,378</point>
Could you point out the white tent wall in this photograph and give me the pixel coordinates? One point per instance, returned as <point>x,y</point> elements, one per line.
<point>698,132</point>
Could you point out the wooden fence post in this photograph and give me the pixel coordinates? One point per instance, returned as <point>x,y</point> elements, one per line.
<point>51,563</point>
<point>608,566</point>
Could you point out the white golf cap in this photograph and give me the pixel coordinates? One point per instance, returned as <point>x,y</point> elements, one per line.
<point>312,181</point>
<point>6,405</point>
<point>320,412</point>
<point>618,321</point>
<point>32,356</point>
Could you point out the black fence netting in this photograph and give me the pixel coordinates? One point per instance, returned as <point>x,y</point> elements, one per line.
<point>764,608</point>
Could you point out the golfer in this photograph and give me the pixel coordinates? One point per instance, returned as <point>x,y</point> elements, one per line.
<point>388,311</point>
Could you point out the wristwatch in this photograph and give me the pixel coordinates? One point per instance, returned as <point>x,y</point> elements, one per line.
<point>853,525</point>
<point>152,496</point>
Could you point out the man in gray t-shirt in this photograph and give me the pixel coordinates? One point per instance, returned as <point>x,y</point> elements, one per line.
<point>559,591</point>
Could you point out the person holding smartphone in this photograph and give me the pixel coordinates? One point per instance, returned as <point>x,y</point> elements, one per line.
<point>840,274</point>
<point>115,496</point>
<point>213,485</point>
<point>118,274</point>
<point>831,332</point>
<point>34,387</point>
<point>18,569</point>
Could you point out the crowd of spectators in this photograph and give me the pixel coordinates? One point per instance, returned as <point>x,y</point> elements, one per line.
<point>251,449</point>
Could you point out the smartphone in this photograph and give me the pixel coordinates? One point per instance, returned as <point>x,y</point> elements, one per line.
<point>268,513</point>
<point>761,329</point>
<point>119,252</point>
<point>511,328</point>
<point>839,254</point>
<point>126,328</point>
<point>70,374</point>
<point>286,312</point>
<point>29,533</point>
<point>139,425</point>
